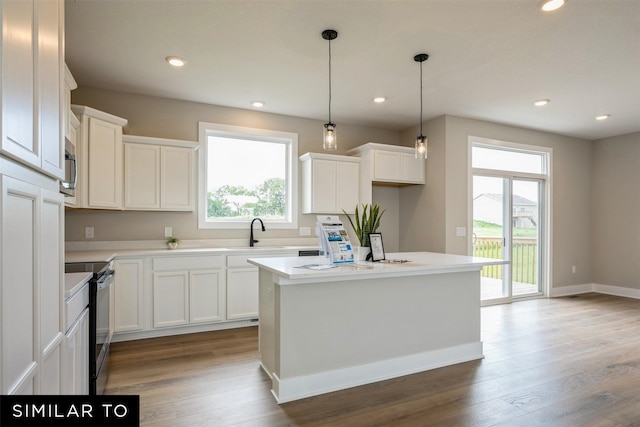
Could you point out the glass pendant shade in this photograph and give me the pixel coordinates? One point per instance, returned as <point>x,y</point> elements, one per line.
<point>421,147</point>
<point>329,140</point>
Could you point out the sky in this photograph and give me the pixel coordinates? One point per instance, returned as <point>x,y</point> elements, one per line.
<point>258,162</point>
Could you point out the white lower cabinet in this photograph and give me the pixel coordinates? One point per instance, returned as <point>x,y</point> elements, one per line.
<point>242,285</point>
<point>188,290</point>
<point>76,358</point>
<point>129,295</point>
<point>242,293</point>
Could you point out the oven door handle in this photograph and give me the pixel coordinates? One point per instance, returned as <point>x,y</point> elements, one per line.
<point>106,280</point>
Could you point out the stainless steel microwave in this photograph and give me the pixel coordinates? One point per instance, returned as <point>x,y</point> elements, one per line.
<point>68,186</point>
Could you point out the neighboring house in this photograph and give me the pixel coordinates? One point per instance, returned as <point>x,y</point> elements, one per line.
<point>488,207</point>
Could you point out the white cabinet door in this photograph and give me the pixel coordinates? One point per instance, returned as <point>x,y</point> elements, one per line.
<point>386,165</point>
<point>412,168</point>
<point>206,296</point>
<point>51,289</point>
<point>177,179</point>
<point>141,176</point>
<point>330,183</point>
<point>19,281</point>
<point>323,186</point>
<point>129,295</point>
<point>18,59</point>
<point>76,357</point>
<point>105,164</point>
<point>31,224</point>
<point>170,298</point>
<point>242,293</point>
<point>32,83</point>
<point>347,186</point>
<point>158,177</point>
<point>51,84</point>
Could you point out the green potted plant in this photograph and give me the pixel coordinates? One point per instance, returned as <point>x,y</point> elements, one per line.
<point>366,222</point>
<point>173,242</point>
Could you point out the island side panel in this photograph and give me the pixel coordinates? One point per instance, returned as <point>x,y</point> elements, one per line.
<point>267,338</point>
<point>334,335</point>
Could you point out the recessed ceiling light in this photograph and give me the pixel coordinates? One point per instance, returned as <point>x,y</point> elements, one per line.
<point>257,103</point>
<point>551,5</point>
<point>603,117</point>
<point>176,61</point>
<point>379,99</point>
<point>541,102</point>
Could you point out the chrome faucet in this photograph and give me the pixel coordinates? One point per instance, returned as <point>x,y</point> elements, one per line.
<point>251,240</point>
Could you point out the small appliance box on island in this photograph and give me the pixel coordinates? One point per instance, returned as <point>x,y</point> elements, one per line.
<point>65,410</point>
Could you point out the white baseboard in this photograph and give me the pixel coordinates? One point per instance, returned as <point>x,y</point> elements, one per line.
<point>180,330</point>
<point>620,291</point>
<point>289,389</point>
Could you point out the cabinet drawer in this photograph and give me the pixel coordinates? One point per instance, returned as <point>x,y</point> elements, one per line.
<point>188,262</point>
<point>241,260</point>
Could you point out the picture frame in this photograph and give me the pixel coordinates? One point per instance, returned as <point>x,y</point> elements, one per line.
<point>376,246</point>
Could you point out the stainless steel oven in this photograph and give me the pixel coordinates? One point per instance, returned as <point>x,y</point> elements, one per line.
<point>100,320</point>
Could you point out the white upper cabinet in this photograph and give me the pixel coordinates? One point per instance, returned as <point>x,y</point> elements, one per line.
<point>100,158</point>
<point>159,174</point>
<point>390,163</point>
<point>32,76</point>
<point>330,183</point>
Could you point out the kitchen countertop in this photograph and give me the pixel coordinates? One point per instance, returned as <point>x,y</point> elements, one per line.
<point>292,270</point>
<point>73,282</point>
<point>107,255</point>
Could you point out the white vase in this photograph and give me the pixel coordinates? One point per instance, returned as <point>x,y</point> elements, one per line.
<point>362,252</point>
<point>173,245</point>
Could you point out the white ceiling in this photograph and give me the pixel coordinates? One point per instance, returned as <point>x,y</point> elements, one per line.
<point>489,59</point>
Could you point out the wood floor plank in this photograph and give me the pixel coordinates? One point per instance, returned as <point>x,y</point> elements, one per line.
<point>570,361</point>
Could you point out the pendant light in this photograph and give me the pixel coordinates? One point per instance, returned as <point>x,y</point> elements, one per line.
<point>421,140</point>
<point>329,140</point>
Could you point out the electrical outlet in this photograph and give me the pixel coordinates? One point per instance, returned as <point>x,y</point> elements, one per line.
<point>88,232</point>
<point>168,231</point>
<point>305,231</point>
<point>573,269</point>
<point>461,231</point>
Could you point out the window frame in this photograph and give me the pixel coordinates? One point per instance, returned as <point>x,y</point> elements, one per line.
<point>289,139</point>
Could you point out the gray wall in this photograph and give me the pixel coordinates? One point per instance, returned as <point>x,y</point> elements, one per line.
<point>616,211</point>
<point>595,197</point>
<point>169,118</point>
<point>446,201</point>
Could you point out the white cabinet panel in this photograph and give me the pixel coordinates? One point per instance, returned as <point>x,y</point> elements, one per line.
<point>100,159</point>
<point>159,174</point>
<point>170,298</point>
<point>129,295</point>
<point>32,83</point>
<point>50,88</point>
<point>242,293</point>
<point>176,178</point>
<point>76,357</point>
<point>19,275</point>
<point>105,165</point>
<point>330,183</point>
<point>206,294</point>
<point>347,186</point>
<point>386,165</point>
<point>142,176</point>
<point>18,59</point>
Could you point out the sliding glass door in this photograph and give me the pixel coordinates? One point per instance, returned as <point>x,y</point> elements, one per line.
<point>509,220</point>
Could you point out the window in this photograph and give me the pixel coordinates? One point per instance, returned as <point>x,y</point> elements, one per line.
<point>246,173</point>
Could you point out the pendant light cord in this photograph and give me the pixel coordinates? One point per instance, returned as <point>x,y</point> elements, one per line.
<point>421,96</point>
<point>329,80</point>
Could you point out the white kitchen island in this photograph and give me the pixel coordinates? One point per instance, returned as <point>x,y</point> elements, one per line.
<point>331,329</point>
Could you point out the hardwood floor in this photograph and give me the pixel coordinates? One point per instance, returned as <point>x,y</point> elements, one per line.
<point>571,361</point>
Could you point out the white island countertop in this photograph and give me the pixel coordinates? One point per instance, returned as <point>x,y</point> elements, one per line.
<point>301,269</point>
